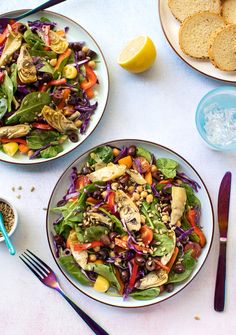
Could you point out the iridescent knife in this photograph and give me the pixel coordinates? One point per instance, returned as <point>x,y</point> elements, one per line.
<point>223,215</point>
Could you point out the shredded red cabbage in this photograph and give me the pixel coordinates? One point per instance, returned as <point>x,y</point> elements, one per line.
<point>73,180</point>
<point>22,88</point>
<point>182,176</point>
<point>185,234</point>
<point>123,153</point>
<point>138,164</point>
<point>154,191</point>
<point>37,24</point>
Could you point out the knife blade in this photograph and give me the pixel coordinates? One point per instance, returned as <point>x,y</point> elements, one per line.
<point>223,217</point>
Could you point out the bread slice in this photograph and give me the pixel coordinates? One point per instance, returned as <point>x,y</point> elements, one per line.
<point>182,9</point>
<point>222,48</point>
<point>229,10</point>
<point>195,31</point>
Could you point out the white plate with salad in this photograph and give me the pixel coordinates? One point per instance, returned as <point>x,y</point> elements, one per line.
<point>53,87</point>
<point>130,223</point>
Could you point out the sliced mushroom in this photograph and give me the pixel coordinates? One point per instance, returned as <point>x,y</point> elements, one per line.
<point>26,68</point>
<point>109,172</point>
<point>153,279</point>
<point>165,259</point>
<point>12,44</point>
<point>57,120</point>
<point>178,203</point>
<point>100,218</point>
<point>137,177</point>
<point>57,44</point>
<point>128,211</point>
<point>19,130</point>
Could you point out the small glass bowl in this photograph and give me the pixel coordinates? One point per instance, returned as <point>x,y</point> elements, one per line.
<point>11,232</point>
<point>216,118</point>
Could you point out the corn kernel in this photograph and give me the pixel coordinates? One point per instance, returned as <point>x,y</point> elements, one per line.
<point>115,152</point>
<point>53,62</point>
<point>92,257</point>
<point>96,249</point>
<point>85,49</point>
<point>78,123</point>
<point>144,194</point>
<point>153,168</point>
<point>92,64</point>
<point>101,284</point>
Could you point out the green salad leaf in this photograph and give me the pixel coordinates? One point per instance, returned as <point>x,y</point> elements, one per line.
<point>3,107</point>
<point>7,89</point>
<point>185,225</point>
<point>31,38</point>
<point>69,264</point>
<point>38,138</point>
<point>167,166</point>
<point>165,244</point>
<point>43,53</point>
<point>192,200</point>
<point>46,68</point>
<point>14,76</point>
<point>94,233</point>
<point>52,151</point>
<point>118,227</point>
<point>31,106</point>
<point>189,264</point>
<point>144,153</point>
<point>148,294</point>
<point>105,271</point>
<point>101,154</point>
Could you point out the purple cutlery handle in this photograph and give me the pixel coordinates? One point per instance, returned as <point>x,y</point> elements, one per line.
<point>90,322</point>
<point>219,300</point>
<point>50,4</point>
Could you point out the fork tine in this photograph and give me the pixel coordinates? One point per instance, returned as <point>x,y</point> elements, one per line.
<point>36,274</point>
<point>37,263</point>
<point>40,261</point>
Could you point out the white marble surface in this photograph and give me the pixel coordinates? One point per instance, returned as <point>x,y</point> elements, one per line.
<point>158,106</point>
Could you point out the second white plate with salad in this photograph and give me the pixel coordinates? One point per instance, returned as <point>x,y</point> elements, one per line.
<point>54,87</point>
<point>130,223</point>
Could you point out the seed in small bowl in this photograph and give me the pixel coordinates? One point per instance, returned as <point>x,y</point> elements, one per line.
<point>10,217</point>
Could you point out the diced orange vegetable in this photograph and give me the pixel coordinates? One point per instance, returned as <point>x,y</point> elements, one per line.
<point>92,201</point>
<point>127,161</point>
<point>60,32</point>
<point>91,78</point>
<point>23,148</point>
<point>148,177</point>
<point>17,140</point>
<point>99,261</point>
<point>166,181</point>
<point>65,54</point>
<point>173,258</point>
<point>65,95</point>
<point>191,217</point>
<point>90,93</point>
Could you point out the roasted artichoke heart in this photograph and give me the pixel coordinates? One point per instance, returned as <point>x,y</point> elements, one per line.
<point>26,68</point>
<point>129,212</point>
<point>57,43</point>
<point>153,279</point>
<point>57,120</point>
<point>12,44</point>
<point>19,130</point>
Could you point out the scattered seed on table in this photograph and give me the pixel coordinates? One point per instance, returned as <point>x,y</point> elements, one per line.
<point>18,196</point>
<point>32,189</point>
<point>13,189</point>
<point>20,188</point>
<point>196,317</point>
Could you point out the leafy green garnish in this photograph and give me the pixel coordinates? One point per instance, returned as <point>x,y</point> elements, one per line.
<point>189,263</point>
<point>7,89</point>
<point>46,68</point>
<point>192,200</point>
<point>148,294</point>
<point>43,53</point>
<point>3,107</point>
<point>166,244</point>
<point>185,225</point>
<point>167,166</point>
<point>101,154</point>
<point>38,138</point>
<point>14,76</point>
<point>32,38</point>
<point>94,233</point>
<point>69,264</point>
<point>118,227</point>
<point>144,153</point>
<point>105,271</point>
<point>52,151</point>
<point>31,106</point>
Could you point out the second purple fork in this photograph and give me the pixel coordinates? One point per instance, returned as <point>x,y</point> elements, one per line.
<point>46,275</point>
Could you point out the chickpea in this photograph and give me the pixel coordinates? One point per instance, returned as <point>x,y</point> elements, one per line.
<point>92,64</point>
<point>139,189</point>
<point>115,152</point>
<point>149,198</point>
<point>85,49</point>
<point>131,189</point>
<point>136,196</point>
<point>78,123</point>
<point>144,194</point>
<point>92,257</point>
<point>96,249</point>
<point>53,62</point>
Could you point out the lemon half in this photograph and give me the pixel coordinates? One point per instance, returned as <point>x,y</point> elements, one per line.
<point>138,55</point>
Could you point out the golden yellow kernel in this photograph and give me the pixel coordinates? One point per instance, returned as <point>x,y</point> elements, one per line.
<point>53,62</point>
<point>149,198</point>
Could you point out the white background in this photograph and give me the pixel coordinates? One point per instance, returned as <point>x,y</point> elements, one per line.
<point>158,105</point>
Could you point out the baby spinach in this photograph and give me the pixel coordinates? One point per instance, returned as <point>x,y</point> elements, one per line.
<point>51,151</point>
<point>38,138</point>
<point>165,244</point>
<point>105,271</point>
<point>94,233</point>
<point>31,106</point>
<point>192,200</point>
<point>7,89</point>
<point>103,153</point>
<point>167,166</point>
<point>118,227</point>
<point>3,107</point>
<point>189,263</point>
<point>148,294</point>
<point>31,38</point>
<point>43,53</point>
<point>69,264</point>
<point>46,68</point>
<point>14,76</point>
<point>144,153</point>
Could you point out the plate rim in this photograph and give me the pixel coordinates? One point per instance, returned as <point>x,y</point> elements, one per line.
<point>181,57</point>
<point>146,142</point>
<point>108,88</point>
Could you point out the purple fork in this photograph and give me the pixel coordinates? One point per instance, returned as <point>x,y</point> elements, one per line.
<point>46,275</point>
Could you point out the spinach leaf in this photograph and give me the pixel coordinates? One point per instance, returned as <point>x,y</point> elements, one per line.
<point>31,38</point>
<point>7,89</point>
<point>105,271</point>
<point>167,166</point>
<point>103,153</point>
<point>3,107</point>
<point>43,53</point>
<point>155,220</point>
<point>31,106</point>
<point>94,233</point>
<point>118,227</point>
<point>144,153</point>
<point>52,151</point>
<point>80,234</point>
<point>69,264</point>
<point>14,76</point>
<point>192,200</point>
<point>166,244</point>
<point>46,68</point>
<point>148,294</point>
<point>189,263</point>
<point>38,138</point>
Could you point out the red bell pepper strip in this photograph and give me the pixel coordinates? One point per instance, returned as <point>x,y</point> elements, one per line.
<point>2,76</point>
<point>43,126</point>
<point>159,263</point>
<point>56,82</point>
<point>133,276</point>
<point>81,182</point>
<point>17,140</point>
<point>120,281</point>
<point>192,218</point>
<point>91,78</point>
<point>146,234</point>
<point>111,202</point>
<point>65,95</point>
<point>84,246</point>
